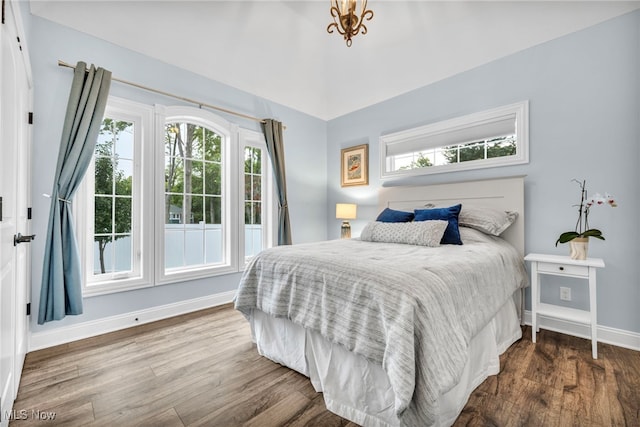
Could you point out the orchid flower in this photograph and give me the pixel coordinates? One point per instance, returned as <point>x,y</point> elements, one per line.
<point>586,203</point>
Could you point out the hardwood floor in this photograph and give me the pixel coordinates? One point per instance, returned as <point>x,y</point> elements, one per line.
<point>556,383</point>
<point>201,369</point>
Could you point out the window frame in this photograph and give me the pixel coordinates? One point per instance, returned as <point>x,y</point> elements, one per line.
<point>229,133</point>
<point>248,138</point>
<point>141,275</point>
<point>148,206</point>
<point>519,111</point>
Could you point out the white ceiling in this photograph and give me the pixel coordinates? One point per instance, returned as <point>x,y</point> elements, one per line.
<point>280,50</point>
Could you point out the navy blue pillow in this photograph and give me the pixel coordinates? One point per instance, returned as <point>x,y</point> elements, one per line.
<point>390,215</point>
<point>452,233</point>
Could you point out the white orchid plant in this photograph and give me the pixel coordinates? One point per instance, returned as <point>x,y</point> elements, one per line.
<point>586,203</point>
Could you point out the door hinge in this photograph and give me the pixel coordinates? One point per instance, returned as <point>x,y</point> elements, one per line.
<point>3,11</point>
<point>28,213</point>
<point>0,208</point>
<point>30,117</point>
<point>28,309</point>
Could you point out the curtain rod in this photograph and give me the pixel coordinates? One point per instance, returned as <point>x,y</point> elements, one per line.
<point>182,98</point>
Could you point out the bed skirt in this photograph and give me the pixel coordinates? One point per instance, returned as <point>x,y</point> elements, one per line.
<point>359,390</point>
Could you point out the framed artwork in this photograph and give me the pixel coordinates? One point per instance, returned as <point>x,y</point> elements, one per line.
<point>354,167</point>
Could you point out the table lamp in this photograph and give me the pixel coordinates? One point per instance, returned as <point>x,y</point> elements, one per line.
<point>345,211</point>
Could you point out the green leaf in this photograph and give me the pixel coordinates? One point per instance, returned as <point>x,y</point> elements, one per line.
<point>567,236</point>
<point>570,235</point>
<point>593,232</point>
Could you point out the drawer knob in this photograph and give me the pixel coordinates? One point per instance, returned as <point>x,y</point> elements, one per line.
<point>561,268</point>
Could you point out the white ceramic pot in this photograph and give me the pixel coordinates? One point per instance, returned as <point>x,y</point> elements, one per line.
<point>578,248</point>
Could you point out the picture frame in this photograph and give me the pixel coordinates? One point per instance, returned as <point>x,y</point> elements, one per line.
<point>354,165</point>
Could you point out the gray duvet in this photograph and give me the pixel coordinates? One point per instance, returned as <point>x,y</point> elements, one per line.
<point>411,309</point>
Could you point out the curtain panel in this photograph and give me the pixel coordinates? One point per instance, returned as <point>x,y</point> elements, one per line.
<point>275,146</point>
<point>61,291</point>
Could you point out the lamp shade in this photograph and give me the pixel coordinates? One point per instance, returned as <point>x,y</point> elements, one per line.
<point>346,211</point>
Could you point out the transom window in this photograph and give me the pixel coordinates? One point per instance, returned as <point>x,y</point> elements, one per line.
<point>490,138</point>
<point>504,146</point>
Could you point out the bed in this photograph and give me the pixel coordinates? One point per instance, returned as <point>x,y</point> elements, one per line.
<point>395,334</point>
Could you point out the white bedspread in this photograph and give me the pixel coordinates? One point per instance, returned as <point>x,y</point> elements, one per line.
<point>413,310</point>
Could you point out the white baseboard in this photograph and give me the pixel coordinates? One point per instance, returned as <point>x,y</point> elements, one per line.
<point>63,335</point>
<point>613,336</point>
<point>45,339</point>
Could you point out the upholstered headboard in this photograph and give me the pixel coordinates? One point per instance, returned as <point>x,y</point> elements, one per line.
<point>500,193</point>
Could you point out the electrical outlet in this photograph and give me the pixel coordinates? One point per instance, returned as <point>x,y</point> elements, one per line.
<point>565,294</point>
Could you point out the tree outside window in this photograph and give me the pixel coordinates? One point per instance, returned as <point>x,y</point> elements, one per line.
<point>113,194</point>
<point>479,150</point>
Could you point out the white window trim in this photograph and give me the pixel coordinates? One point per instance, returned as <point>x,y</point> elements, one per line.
<point>521,112</point>
<point>149,164</point>
<point>248,138</point>
<point>229,132</point>
<point>141,276</point>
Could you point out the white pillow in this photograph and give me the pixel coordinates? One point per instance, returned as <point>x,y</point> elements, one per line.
<point>488,220</point>
<point>470,235</point>
<point>423,233</point>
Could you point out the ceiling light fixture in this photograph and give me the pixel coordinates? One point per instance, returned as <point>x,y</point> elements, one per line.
<point>345,20</point>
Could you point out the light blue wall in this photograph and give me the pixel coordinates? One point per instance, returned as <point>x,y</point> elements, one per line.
<point>305,147</point>
<point>584,94</point>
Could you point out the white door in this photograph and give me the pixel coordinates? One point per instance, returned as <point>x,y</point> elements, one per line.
<point>15,139</point>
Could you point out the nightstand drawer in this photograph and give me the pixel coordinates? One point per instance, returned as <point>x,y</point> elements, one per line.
<point>563,269</point>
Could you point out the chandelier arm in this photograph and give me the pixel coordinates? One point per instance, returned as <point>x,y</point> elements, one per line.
<point>349,24</point>
<point>336,27</point>
<point>366,15</point>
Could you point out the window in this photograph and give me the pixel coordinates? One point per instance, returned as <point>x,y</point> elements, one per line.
<point>193,196</point>
<point>497,137</point>
<point>198,190</point>
<point>258,202</point>
<point>111,202</point>
<point>113,196</point>
<point>252,200</point>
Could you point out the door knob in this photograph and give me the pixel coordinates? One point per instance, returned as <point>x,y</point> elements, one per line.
<point>19,238</point>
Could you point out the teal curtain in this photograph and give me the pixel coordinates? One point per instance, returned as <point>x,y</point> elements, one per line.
<point>61,291</point>
<point>275,146</point>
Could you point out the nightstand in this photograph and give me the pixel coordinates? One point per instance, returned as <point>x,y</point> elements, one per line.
<point>557,265</point>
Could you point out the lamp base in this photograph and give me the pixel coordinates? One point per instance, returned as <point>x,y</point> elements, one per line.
<point>345,230</point>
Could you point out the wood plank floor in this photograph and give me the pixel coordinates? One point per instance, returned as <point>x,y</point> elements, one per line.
<point>201,369</point>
